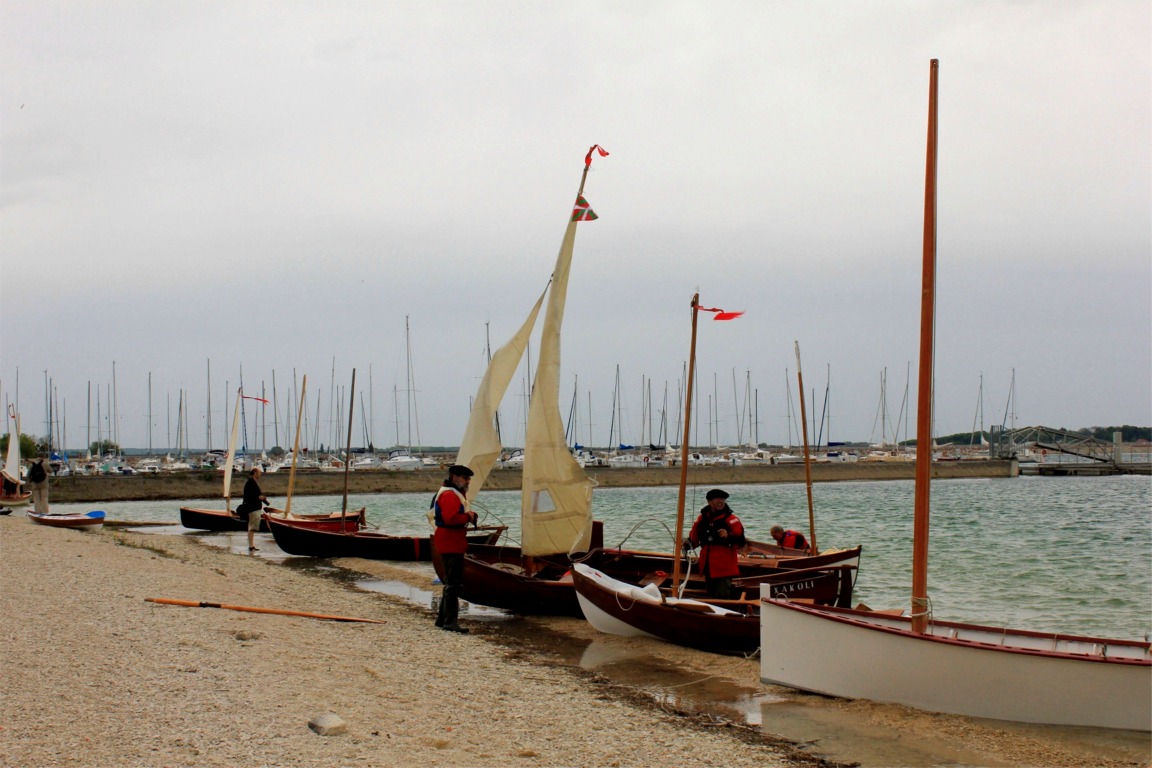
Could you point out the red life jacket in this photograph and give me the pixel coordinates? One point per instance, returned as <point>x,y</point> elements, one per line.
<point>794,540</point>
<point>719,560</point>
<point>452,518</point>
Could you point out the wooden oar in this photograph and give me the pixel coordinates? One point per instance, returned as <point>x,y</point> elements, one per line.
<point>250,609</point>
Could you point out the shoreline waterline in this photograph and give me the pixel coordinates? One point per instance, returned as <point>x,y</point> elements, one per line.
<point>207,483</point>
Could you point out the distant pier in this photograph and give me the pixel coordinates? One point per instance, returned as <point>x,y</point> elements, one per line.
<point>1084,469</point>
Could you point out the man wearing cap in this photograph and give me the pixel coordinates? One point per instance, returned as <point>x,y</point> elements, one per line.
<point>452,516</point>
<point>720,536</point>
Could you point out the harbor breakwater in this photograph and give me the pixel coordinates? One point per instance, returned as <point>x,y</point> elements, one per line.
<point>206,483</point>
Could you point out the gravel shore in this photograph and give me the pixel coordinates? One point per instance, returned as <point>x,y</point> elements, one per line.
<point>93,675</point>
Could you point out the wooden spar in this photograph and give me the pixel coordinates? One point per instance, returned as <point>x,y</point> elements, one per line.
<point>296,448</point>
<point>348,451</point>
<point>679,541</point>
<point>250,609</point>
<point>919,612</point>
<point>807,454</point>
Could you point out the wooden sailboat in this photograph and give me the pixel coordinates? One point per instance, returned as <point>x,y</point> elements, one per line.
<point>225,520</point>
<point>647,607</point>
<point>556,496</point>
<point>335,522</point>
<point>215,519</point>
<point>13,494</point>
<point>943,666</point>
<point>346,538</point>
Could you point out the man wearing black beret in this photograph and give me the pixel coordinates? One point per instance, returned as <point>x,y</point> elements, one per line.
<point>720,536</point>
<point>452,517</point>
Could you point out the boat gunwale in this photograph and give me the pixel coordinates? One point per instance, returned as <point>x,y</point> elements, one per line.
<point>858,618</point>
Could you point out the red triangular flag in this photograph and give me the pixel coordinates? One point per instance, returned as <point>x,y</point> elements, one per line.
<point>597,148</point>
<point>252,397</point>
<point>582,212</point>
<point>721,314</point>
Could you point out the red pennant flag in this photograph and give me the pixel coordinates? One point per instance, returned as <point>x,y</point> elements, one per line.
<point>721,314</point>
<point>251,397</point>
<point>594,148</point>
<point>582,212</point>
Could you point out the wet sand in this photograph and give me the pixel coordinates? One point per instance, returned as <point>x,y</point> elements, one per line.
<point>95,676</point>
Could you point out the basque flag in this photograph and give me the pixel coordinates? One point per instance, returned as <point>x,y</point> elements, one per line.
<point>582,212</point>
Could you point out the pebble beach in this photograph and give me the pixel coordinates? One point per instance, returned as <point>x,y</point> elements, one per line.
<point>95,675</point>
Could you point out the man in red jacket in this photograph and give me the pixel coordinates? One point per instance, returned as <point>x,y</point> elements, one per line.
<point>720,536</point>
<point>452,518</point>
<point>790,539</point>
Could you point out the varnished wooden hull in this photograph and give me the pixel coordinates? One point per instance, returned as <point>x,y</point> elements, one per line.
<point>623,609</point>
<point>89,521</point>
<point>19,500</point>
<point>496,576</point>
<point>310,542</point>
<point>220,520</point>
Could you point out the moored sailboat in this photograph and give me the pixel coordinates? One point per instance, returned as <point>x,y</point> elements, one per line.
<point>556,494</point>
<point>199,518</point>
<point>13,494</point>
<point>952,667</point>
<point>681,614</point>
<point>332,521</point>
<point>304,537</point>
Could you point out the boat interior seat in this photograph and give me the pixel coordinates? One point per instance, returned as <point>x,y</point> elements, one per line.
<point>659,578</point>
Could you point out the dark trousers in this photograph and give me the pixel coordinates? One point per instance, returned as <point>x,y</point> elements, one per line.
<point>721,589</point>
<point>450,598</point>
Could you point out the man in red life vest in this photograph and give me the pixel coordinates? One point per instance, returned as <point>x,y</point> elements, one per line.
<point>720,536</point>
<point>452,518</point>
<point>789,539</point>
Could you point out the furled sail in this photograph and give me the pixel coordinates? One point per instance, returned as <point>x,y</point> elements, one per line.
<point>12,463</point>
<point>231,457</point>
<point>480,446</point>
<point>556,495</point>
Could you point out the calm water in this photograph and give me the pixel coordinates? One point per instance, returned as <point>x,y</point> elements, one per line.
<point>1050,554</point>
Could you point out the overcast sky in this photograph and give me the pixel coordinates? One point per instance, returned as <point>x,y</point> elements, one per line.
<point>279,188</point>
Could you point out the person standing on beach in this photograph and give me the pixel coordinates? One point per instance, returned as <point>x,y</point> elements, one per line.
<point>790,539</point>
<point>253,505</point>
<point>38,483</point>
<point>452,517</point>
<point>720,536</point>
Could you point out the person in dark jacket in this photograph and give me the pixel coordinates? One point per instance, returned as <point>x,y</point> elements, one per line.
<point>253,505</point>
<point>452,517</point>
<point>790,539</point>
<point>38,474</point>
<point>720,536</point>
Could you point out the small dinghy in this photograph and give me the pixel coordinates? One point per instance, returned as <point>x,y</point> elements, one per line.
<point>87,521</point>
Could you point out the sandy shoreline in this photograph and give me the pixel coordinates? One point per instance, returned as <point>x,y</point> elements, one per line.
<point>95,676</point>
<point>207,484</point>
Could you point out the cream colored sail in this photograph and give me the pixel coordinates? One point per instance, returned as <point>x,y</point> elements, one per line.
<point>231,456</point>
<point>480,446</point>
<point>12,463</point>
<point>556,495</point>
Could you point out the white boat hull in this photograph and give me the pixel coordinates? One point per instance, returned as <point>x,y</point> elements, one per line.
<point>958,669</point>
